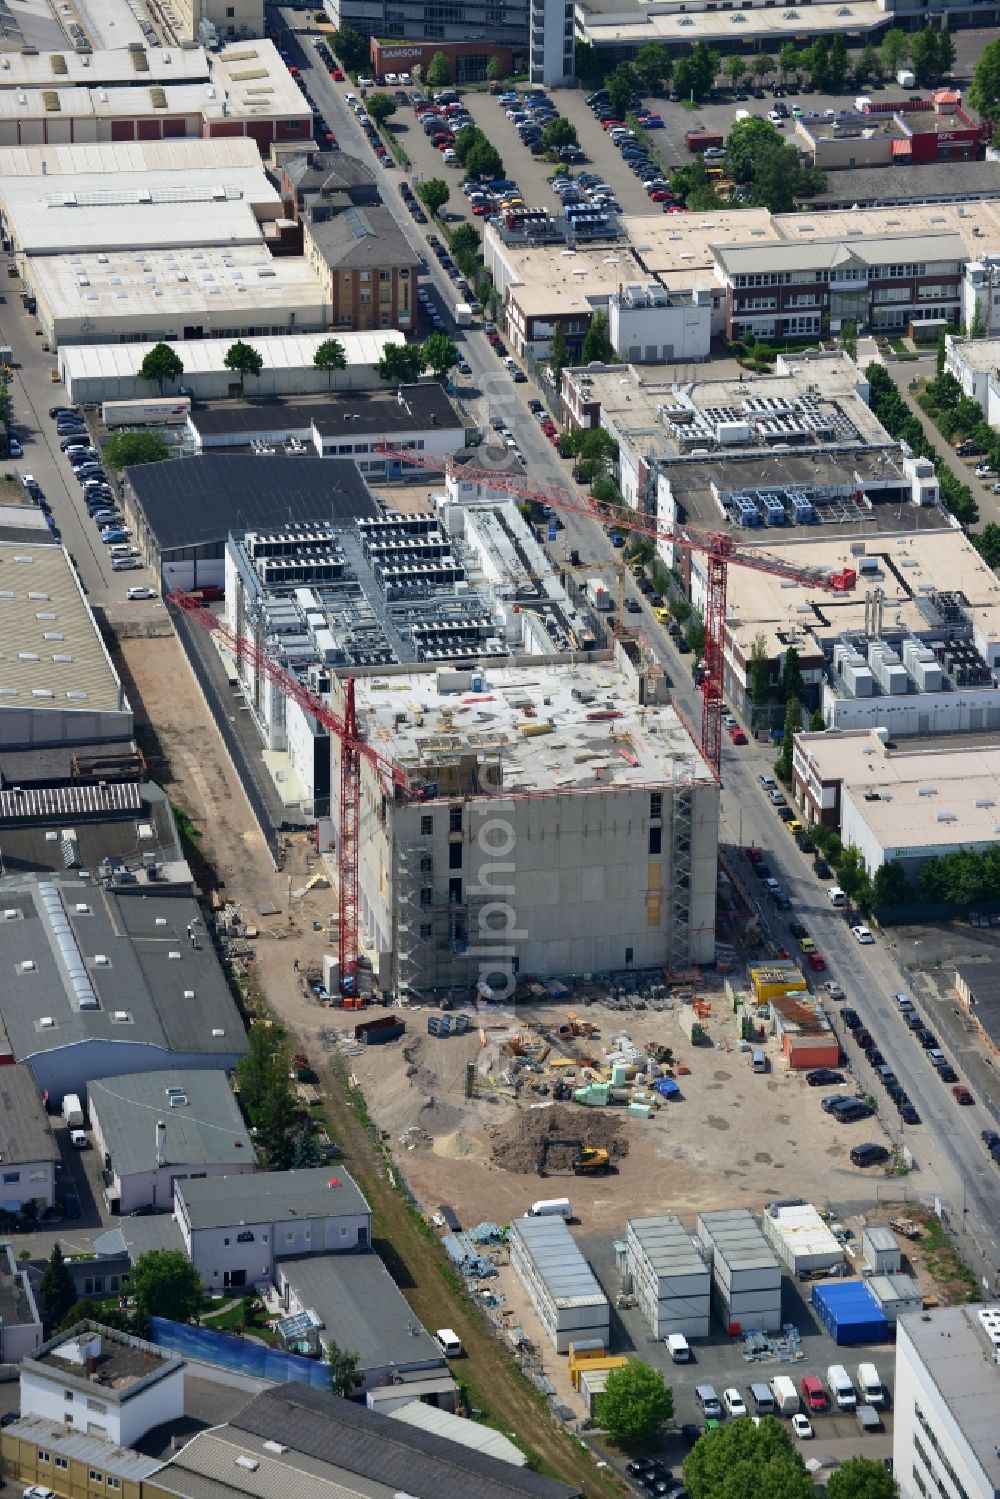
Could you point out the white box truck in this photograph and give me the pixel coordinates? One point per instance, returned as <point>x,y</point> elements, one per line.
<point>786,1396</point>
<point>870,1385</point>
<point>598,595</point>
<point>906,78</point>
<point>72,1110</point>
<point>841,1388</point>
<point>170,411</point>
<point>463,314</point>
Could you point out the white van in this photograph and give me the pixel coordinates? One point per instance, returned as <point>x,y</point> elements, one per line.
<point>836,896</point>
<point>551,1207</point>
<point>841,1388</point>
<point>870,1385</point>
<point>763,1400</point>
<point>449,1342</point>
<point>679,1348</point>
<point>758,1061</point>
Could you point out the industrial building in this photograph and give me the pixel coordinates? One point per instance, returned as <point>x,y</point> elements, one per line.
<point>351,1301</point>
<point>467,583</point>
<point>235,1227</point>
<point>801,1239</point>
<point>945,1402</point>
<point>561,1286</point>
<point>155,1128</point>
<point>93,373</point>
<point>873,187</point>
<point>419,416</point>
<point>978,987</point>
<point>746,1276</point>
<point>892,134</point>
<point>670,1277</point>
<point>897,1295</point>
<point>494,756</point>
<point>111,972</point>
<point>975,362</point>
<point>895,804</point>
<point>103,813</point>
<point>57,682</point>
<point>28,1149</point>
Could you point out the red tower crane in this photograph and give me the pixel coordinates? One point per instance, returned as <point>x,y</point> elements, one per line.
<point>353,749</point>
<point>719,548</point>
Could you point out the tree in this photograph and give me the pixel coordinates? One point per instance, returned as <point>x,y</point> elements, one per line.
<point>789,60</point>
<point>793,726</point>
<point>895,46</point>
<point>946,51</point>
<point>278,1118</point>
<point>987,544</point>
<point>350,47</point>
<point>343,1367</point>
<point>243,359</point>
<point>837,65</point>
<point>695,186</point>
<point>816,59</point>
<point>635,1404</point>
<point>695,74</point>
<point>652,63</point>
<point>620,84</point>
<point>558,133</point>
<point>439,354</point>
<point>791,675</point>
<point>760,671</point>
<point>861,1478</point>
<point>330,356</point>
<point>762,66</point>
<point>735,68</point>
<point>380,107</point>
<point>817,723</point>
<point>849,338</point>
<point>129,449</point>
<point>483,162</point>
<point>590,63</point>
<point>467,137</point>
<point>744,1461</point>
<point>868,64</point>
<point>558,353</point>
<point>694,634</point>
<point>594,449</point>
<point>165,1284</point>
<point>929,58</point>
<point>744,143</point>
<point>160,365</point>
<point>255,1069</point>
<point>779,178</point>
<point>58,1290</point>
<point>495,70</point>
<point>596,344</point>
<point>890,887</point>
<point>941,354</point>
<point>434,193</point>
<point>438,70</point>
<point>400,362</point>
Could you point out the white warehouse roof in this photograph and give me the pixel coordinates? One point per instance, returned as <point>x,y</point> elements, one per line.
<point>205,356</point>
<point>103,158</point>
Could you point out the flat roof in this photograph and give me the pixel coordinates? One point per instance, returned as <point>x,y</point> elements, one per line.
<point>977,225</point>
<point>17,1301</point>
<point>52,654</point>
<point>103,815</point>
<point>545,726</point>
<point>204,356</point>
<point>668,1246</point>
<point>362,1308</point>
<point>199,501</point>
<point>934,182</point>
<point>203,1123</point>
<point>359,413</point>
<point>979,355</point>
<point>138,997</point>
<point>25,1128</point>
<point>983,983</point>
<point>204,284</point>
<point>39,164</point>
<point>318,1192</point>
<point>65,67</point>
<point>251,79</point>
<point>92,1452</point>
<point>959,1360</point>
<point>123,1362</point>
<point>913,566</point>
<point>640,25</point>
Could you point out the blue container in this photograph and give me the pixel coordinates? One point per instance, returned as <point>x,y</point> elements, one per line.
<point>849,1312</point>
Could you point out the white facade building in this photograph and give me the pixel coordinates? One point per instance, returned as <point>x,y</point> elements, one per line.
<point>28,1150</point>
<point>945,1403</point>
<point>651,325</point>
<point>235,1227</point>
<point>975,363</point>
<point>103,1383</point>
<point>552,42</point>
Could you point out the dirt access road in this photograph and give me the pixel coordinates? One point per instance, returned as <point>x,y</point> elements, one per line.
<point>176,730</point>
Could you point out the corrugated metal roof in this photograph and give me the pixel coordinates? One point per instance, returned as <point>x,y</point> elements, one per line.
<point>120,1462</point>
<point>459,1429</point>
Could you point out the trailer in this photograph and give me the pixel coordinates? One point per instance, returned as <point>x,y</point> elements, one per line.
<point>170,411</point>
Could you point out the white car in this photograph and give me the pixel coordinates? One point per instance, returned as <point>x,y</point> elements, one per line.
<point>801,1427</point>
<point>141,593</point>
<point>734,1402</point>
<point>863,935</point>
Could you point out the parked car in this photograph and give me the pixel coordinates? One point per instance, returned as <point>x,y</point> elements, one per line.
<point>869,1154</point>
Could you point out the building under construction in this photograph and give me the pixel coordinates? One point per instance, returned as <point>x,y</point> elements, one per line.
<point>558,820</point>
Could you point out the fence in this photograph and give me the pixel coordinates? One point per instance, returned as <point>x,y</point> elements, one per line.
<point>187,632</point>
<point>239,1354</point>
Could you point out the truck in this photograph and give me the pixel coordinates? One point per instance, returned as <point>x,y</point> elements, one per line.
<point>701,140</point>
<point>170,411</point>
<point>906,78</point>
<point>72,1111</point>
<point>463,315</point>
<point>786,1396</point>
<point>841,1388</point>
<point>597,595</point>
<point>870,1384</point>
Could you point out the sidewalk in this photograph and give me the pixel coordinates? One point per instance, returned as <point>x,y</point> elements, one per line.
<point>989,504</point>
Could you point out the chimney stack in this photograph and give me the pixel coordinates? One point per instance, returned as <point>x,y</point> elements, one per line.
<point>161,1143</point>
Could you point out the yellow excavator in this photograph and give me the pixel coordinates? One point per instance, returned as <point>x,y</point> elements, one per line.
<point>589,1160</point>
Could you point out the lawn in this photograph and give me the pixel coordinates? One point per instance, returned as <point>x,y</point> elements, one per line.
<point>249,1316</point>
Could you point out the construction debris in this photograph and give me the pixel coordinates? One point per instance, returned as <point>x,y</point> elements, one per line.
<point>556,1136</point>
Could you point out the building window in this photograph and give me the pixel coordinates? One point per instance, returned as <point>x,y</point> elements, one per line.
<point>9,1177</point>
<point>455,856</point>
<point>99,1407</point>
<point>62,1464</point>
<point>246,1237</point>
<point>426,826</point>
<point>114,1483</point>
<point>655,839</point>
<point>68,1396</point>
<point>426,896</point>
<point>43,1456</point>
<point>455,892</point>
<point>455,819</point>
<point>226,1242</point>
<point>426,931</point>
<point>94,1476</point>
<point>656,804</point>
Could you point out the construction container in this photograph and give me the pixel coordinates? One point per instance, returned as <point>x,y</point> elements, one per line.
<point>560,1284</point>
<point>896,1295</point>
<point>640,1110</point>
<point>746,1276</point>
<point>776,978</point>
<point>881,1250</point>
<point>670,1276</point>
<point>803,1052</point>
<point>594,1095</point>
<point>619,1074</point>
<point>592,1364</point>
<point>849,1312</point>
<point>691,1023</point>
<point>800,1238</point>
<point>376,1032</point>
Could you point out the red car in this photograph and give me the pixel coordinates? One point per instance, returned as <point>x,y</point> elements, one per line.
<point>659,195</point>
<point>755,854</point>
<point>737,735</point>
<point>817,962</point>
<point>337,75</point>
<point>611,124</point>
<point>479,210</point>
<point>962,1094</point>
<point>293,70</point>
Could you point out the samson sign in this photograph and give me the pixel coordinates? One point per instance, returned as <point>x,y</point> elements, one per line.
<point>391,53</point>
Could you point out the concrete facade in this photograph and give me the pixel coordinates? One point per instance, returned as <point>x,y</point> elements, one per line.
<point>102,1383</point>
<point>945,1402</point>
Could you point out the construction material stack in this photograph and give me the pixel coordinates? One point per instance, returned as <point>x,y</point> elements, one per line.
<point>746,1276</point>
<point>560,1284</point>
<point>671,1278</point>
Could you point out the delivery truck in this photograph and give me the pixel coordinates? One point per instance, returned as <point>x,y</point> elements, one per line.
<point>870,1385</point>
<point>905,78</point>
<point>701,140</point>
<point>170,411</point>
<point>841,1388</point>
<point>463,314</point>
<point>786,1396</point>
<point>72,1110</point>
<point>597,595</point>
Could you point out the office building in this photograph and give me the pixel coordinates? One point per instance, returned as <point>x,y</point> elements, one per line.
<point>28,1151</point>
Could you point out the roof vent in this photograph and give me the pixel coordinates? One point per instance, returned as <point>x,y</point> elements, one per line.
<point>27,965</point>
<point>217,1031</point>
<point>46,1023</point>
<point>173,954</point>
<point>101,960</point>
<point>250,1463</point>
